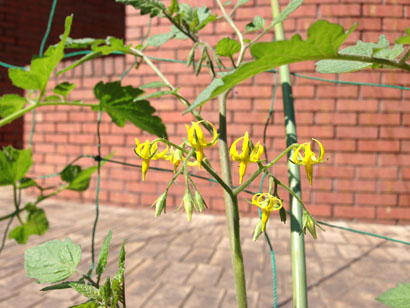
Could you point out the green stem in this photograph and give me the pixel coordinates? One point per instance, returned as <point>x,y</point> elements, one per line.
<point>259,171</point>
<point>232,211</point>
<point>11,214</point>
<point>16,204</point>
<point>296,223</point>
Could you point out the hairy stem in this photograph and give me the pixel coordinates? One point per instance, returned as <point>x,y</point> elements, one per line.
<point>232,211</point>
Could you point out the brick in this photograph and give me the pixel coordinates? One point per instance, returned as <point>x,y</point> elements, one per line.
<point>333,172</point>
<point>355,185</point>
<point>340,91</point>
<point>376,92</point>
<point>394,186</point>
<point>395,132</point>
<point>333,197</point>
<point>355,105</point>
<point>379,146</point>
<point>383,10</point>
<point>340,10</point>
<point>379,119</point>
<point>402,213</point>
<point>376,199</point>
<point>357,159</point>
<point>377,172</point>
<point>394,106</point>
<point>394,160</point>
<point>356,132</point>
<point>354,212</point>
<point>336,118</point>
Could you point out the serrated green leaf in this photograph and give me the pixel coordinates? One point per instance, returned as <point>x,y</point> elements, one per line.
<point>154,84</point>
<point>117,285</point>
<point>106,292</point>
<point>14,164</point>
<point>82,180</point>
<point>178,35</point>
<point>89,304</point>
<point>41,67</point>
<point>324,40</point>
<point>258,23</point>
<point>83,42</point>
<point>173,8</point>
<point>159,39</point>
<point>118,102</point>
<point>58,286</point>
<point>64,88</point>
<point>396,297</point>
<point>27,182</point>
<point>151,7</point>
<point>380,50</point>
<point>204,16</point>
<point>70,172</point>
<point>227,47</point>
<point>52,261</point>
<point>102,257</point>
<point>99,48</point>
<point>11,103</point>
<point>37,224</point>
<point>240,3</point>
<point>405,39</point>
<point>86,290</point>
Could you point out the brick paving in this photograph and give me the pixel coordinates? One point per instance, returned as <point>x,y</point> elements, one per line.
<point>173,263</point>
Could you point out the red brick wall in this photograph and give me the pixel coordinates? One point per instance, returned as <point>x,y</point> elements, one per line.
<point>23,25</point>
<point>365,130</point>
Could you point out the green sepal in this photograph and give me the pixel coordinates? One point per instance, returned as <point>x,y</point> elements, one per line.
<point>258,231</point>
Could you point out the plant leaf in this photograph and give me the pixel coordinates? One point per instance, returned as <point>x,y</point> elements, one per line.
<point>64,88</point>
<point>159,39</point>
<point>52,261</point>
<point>119,103</point>
<point>14,164</point>
<point>89,304</point>
<point>37,223</point>
<point>323,42</point>
<point>151,7</point>
<point>227,47</point>
<point>396,297</point>
<point>405,39</point>
<point>380,50</point>
<point>102,257</point>
<point>11,103</point>
<point>70,172</point>
<point>118,280</point>
<point>86,290</point>
<point>258,23</point>
<point>41,67</point>
<point>106,292</point>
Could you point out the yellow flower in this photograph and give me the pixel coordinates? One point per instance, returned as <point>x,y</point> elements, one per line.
<point>248,154</point>
<point>268,204</point>
<point>309,158</point>
<point>148,151</point>
<point>176,156</point>
<point>197,139</point>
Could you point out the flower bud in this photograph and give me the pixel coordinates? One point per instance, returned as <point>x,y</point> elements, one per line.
<point>188,204</point>
<point>200,202</point>
<point>258,231</point>
<point>310,224</point>
<point>160,204</point>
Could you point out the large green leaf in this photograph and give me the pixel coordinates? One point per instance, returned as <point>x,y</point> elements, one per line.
<point>36,223</point>
<point>396,297</point>
<point>41,67</point>
<point>323,42</point>
<point>151,7</point>
<point>11,103</point>
<point>122,104</point>
<point>52,261</point>
<point>82,180</point>
<point>14,164</point>
<point>380,50</point>
<point>102,257</point>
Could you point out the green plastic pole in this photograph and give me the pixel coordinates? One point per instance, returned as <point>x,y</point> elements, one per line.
<point>297,236</point>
